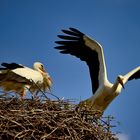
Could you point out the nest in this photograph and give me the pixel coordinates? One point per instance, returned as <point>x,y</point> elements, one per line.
<point>30,119</point>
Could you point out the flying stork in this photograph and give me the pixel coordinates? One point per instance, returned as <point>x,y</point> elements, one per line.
<point>80,45</point>
<point>18,78</point>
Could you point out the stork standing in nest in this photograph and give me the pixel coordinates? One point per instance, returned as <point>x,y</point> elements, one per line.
<point>80,45</point>
<point>18,78</point>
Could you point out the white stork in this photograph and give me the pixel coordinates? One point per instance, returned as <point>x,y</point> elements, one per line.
<point>18,78</point>
<point>80,45</point>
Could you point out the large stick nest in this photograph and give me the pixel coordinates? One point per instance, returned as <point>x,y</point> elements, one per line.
<point>49,120</point>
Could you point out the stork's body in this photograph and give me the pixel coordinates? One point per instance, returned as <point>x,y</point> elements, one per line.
<point>103,97</point>
<point>18,78</point>
<point>80,45</point>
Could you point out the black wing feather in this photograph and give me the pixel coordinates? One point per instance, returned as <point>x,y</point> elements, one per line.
<point>67,37</point>
<point>73,32</point>
<point>74,44</point>
<point>136,75</point>
<point>10,66</point>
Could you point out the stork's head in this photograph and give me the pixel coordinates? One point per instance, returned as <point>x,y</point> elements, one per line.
<point>39,67</point>
<point>120,79</point>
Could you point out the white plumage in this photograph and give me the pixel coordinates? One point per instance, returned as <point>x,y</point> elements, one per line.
<point>18,78</point>
<point>80,45</point>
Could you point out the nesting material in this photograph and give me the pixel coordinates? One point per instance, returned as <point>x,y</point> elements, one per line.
<point>49,120</point>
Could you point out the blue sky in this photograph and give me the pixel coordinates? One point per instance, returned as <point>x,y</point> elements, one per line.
<point>28,29</point>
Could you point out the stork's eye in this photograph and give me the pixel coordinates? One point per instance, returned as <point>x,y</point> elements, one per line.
<point>42,66</point>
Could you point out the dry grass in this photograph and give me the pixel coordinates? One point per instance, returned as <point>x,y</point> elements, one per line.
<point>49,120</point>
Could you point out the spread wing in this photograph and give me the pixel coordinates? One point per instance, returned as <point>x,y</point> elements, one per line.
<point>133,74</point>
<point>78,44</point>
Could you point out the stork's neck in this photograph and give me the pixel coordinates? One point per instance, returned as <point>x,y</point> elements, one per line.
<point>116,87</point>
<point>37,69</point>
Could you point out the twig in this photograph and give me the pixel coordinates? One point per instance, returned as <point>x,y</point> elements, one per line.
<point>12,121</point>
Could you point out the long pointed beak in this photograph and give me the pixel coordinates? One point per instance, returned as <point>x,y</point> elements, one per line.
<point>50,79</point>
<point>121,82</point>
<point>43,70</point>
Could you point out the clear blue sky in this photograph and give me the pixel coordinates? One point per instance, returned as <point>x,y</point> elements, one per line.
<point>28,29</point>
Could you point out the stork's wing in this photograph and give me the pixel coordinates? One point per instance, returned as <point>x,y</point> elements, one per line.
<point>6,73</point>
<point>10,76</point>
<point>10,66</point>
<point>10,81</point>
<point>133,74</point>
<point>78,44</point>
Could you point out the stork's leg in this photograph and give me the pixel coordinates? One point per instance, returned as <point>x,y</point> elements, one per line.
<point>35,97</point>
